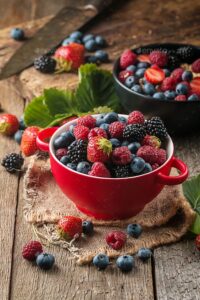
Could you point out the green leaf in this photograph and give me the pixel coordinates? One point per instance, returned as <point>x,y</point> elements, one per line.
<point>191,190</point>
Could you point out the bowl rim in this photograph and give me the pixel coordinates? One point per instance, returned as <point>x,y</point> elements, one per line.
<point>116,66</point>
<point>170,149</point>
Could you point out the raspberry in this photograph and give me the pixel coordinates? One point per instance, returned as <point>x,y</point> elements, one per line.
<point>121,156</point>
<point>168,84</point>
<point>177,74</point>
<point>123,75</point>
<point>197,242</point>
<point>99,169</point>
<point>81,132</point>
<point>127,58</point>
<point>97,132</point>
<point>151,140</point>
<point>155,166</point>
<point>116,239</point>
<point>31,250</point>
<point>135,117</point>
<point>196,66</point>
<point>180,98</point>
<point>116,129</point>
<point>61,152</point>
<point>161,156</point>
<point>87,121</point>
<point>152,155</point>
<point>159,58</point>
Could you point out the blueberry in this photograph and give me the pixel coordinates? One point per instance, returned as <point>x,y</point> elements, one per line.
<point>149,89</point>
<point>72,166</point>
<point>130,80</point>
<point>125,143</point>
<point>122,119</point>
<point>83,167</point>
<point>134,230</point>
<point>76,35</point>
<point>18,136</point>
<point>181,89</point>
<point>111,117</point>
<point>100,41</point>
<point>102,56</point>
<point>125,263</point>
<point>45,261</point>
<point>187,76</point>
<point>133,147</point>
<point>60,142</point>
<point>167,72</point>
<point>115,143</point>
<point>131,68</point>
<point>100,120</point>
<point>170,95</point>
<point>101,261</point>
<point>137,88</point>
<point>87,227</point>
<point>22,125</point>
<point>144,254</point>
<point>70,40</point>
<point>87,37</point>
<point>104,126</point>
<point>68,136</point>
<point>65,160</point>
<point>92,59</point>
<point>193,97</point>
<point>159,96</point>
<point>17,34</point>
<point>137,165</point>
<point>147,168</point>
<point>140,73</point>
<point>90,45</point>
<point>143,65</point>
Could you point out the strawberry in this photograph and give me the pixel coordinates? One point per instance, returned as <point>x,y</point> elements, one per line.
<point>97,132</point>
<point>9,124</point>
<point>143,58</point>
<point>99,169</point>
<point>28,142</point>
<point>151,140</point>
<point>31,250</point>
<point>116,239</point>
<point>197,242</point>
<point>196,66</point>
<point>127,58</point>
<point>121,156</point>
<point>123,75</point>
<point>69,227</point>
<point>69,57</point>
<point>87,121</point>
<point>159,58</point>
<point>177,74</point>
<point>135,117</point>
<point>195,86</point>
<point>154,75</point>
<point>99,149</point>
<point>81,132</point>
<point>116,129</point>
<point>168,84</point>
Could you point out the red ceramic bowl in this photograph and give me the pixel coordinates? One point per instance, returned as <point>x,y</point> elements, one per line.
<point>110,198</point>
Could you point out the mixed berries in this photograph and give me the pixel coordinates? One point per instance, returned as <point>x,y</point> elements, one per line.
<point>110,145</point>
<point>161,75</point>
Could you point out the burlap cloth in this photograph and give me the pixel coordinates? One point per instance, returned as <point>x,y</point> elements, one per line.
<point>165,220</point>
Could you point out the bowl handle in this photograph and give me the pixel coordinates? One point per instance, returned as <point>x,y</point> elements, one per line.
<point>173,180</point>
<point>44,135</point>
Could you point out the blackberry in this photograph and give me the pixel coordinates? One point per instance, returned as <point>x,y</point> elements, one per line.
<point>173,61</point>
<point>121,171</point>
<point>155,126</point>
<point>186,54</point>
<point>12,162</point>
<point>45,64</point>
<point>134,132</point>
<point>77,151</point>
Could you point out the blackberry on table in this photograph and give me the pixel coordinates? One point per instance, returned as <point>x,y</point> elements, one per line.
<point>134,132</point>
<point>155,126</point>
<point>45,64</point>
<point>77,151</point>
<point>121,171</point>
<point>12,162</point>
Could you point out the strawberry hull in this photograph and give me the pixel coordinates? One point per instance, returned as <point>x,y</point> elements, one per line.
<point>110,198</point>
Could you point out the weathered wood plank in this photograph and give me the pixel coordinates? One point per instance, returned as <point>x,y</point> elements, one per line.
<point>8,187</point>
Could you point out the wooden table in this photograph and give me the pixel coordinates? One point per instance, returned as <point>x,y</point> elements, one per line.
<point>173,273</point>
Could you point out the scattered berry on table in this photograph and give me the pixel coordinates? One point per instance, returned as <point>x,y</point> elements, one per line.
<point>88,227</point>
<point>121,171</point>
<point>125,263</point>
<point>134,230</point>
<point>180,98</point>
<point>99,149</point>
<point>9,124</point>
<point>17,34</point>
<point>196,66</point>
<point>127,58</point>
<point>137,165</point>
<point>99,170</point>
<point>18,136</point>
<point>88,121</point>
<point>102,56</point>
<point>31,250</point>
<point>155,126</point>
<point>116,129</point>
<point>116,239</point>
<point>12,162</point>
<point>91,45</point>
<point>45,64</point>
<point>81,132</point>
<point>28,143</point>
<point>134,132</point>
<point>159,58</point>
<point>61,152</point>
<point>98,132</point>
<point>77,151</point>
<point>45,261</point>
<point>144,254</point>
<point>135,117</point>
<point>69,227</point>
<point>100,41</point>
<point>83,167</point>
<point>121,156</point>
<point>101,261</point>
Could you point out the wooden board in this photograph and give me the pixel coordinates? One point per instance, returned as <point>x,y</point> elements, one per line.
<point>175,273</point>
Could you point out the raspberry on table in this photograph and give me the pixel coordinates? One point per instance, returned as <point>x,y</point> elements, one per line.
<point>31,250</point>
<point>116,239</point>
